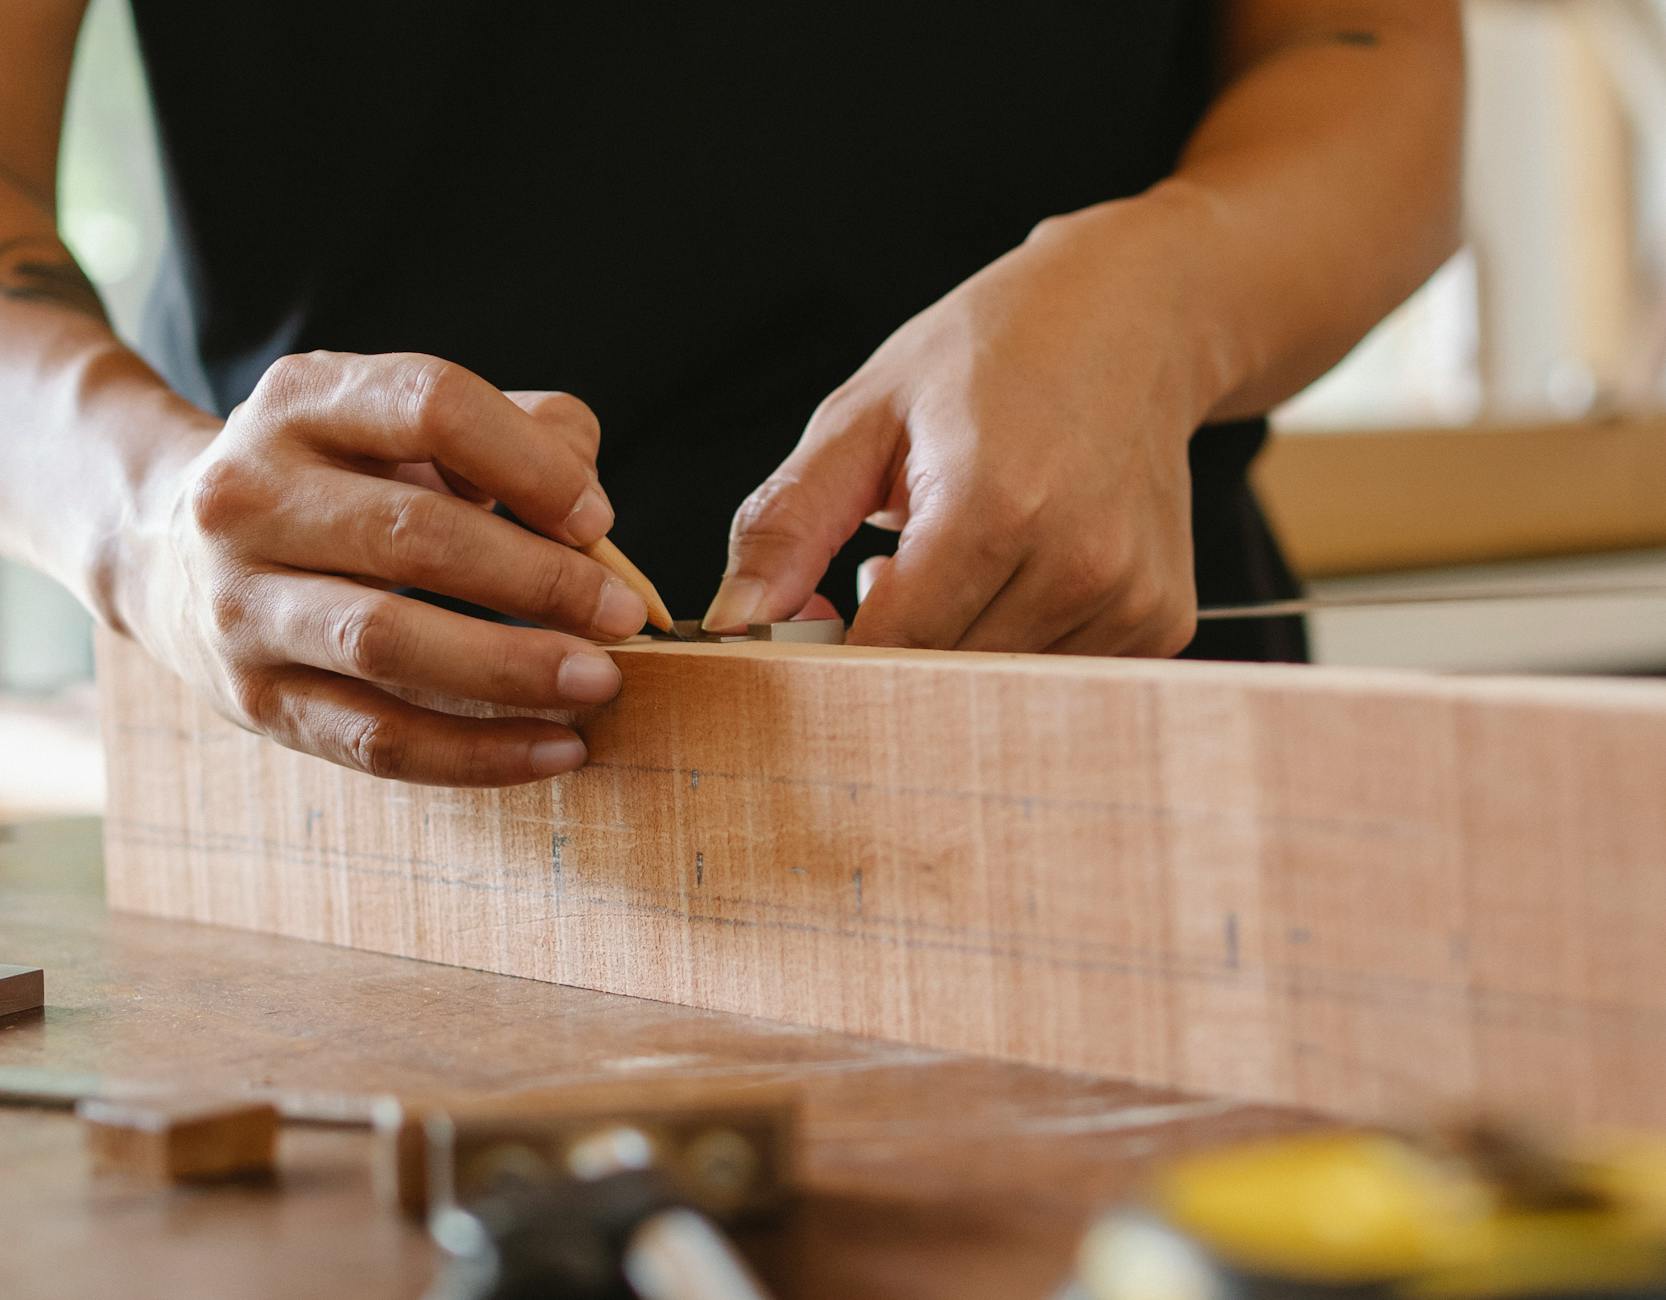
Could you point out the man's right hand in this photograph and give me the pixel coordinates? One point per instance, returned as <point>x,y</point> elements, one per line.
<point>260,568</point>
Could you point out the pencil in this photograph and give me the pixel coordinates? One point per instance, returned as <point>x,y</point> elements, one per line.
<point>611,558</point>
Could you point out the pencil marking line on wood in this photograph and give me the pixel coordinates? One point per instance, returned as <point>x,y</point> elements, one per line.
<point>1495,1006</point>
<point>1060,863</point>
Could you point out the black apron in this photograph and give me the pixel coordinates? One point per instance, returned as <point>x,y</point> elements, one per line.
<point>700,218</point>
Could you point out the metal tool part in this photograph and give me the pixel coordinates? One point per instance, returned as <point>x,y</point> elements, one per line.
<point>831,631</point>
<point>807,631</point>
<point>1429,596</point>
<point>679,1255</point>
<point>28,1086</point>
<point>600,1209</point>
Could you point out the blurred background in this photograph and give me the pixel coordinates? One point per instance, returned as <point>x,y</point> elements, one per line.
<point>1507,425</point>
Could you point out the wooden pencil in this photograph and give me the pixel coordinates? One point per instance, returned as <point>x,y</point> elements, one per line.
<point>611,558</point>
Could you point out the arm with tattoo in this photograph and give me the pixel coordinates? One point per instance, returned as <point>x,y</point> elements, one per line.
<point>256,556</point>
<point>39,269</point>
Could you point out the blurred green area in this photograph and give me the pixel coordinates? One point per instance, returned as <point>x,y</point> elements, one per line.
<point>111,216</point>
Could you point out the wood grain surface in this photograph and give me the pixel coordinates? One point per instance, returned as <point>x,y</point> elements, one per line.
<point>1364,892</point>
<point>925,1174</point>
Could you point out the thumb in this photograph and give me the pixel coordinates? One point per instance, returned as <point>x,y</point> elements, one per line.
<point>787,531</point>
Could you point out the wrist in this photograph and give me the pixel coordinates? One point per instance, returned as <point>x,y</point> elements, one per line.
<point>124,555</point>
<point>1157,259</point>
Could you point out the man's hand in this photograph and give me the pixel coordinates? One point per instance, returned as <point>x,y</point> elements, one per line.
<point>1028,432</point>
<point>1028,436</point>
<point>263,564</point>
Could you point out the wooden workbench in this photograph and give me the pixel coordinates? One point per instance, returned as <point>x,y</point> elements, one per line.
<point>926,1173</point>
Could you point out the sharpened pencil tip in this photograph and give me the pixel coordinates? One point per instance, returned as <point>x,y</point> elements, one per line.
<point>611,558</point>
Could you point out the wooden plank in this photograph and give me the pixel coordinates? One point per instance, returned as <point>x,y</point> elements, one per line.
<point>1370,502</point>
<point>1350,890</point>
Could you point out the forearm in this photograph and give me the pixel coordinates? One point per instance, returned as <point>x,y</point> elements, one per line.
<point>87,424</point>
<point>1319,191</point>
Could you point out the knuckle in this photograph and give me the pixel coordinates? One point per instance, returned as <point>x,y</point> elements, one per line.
<point>432,392</point>
<point>1048,227</point>
<point>1164,621</point>
<point>221,496</point>
<point>365,637</point>
<point>1179,628</point>
<point>550,585</point>
<point>420,534</point>
<point>575,414</point>
<point>1142,604</point>
<point>775,509</point>
<point>1088,573</point>
<point>1003,505</point>
<point>838,408</point>
<point>992,554</point>
<point>375,745</point>
<point>229,607</point>
<point>254,700</point>
<point>286,378</point>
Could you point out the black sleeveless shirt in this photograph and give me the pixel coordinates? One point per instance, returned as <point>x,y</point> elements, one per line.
<point>700,218</point>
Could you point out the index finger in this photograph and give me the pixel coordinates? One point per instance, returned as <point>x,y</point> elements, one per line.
<point>407,408</point>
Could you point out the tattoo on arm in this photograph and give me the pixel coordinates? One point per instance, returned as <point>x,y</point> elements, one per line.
<point>37,268</point>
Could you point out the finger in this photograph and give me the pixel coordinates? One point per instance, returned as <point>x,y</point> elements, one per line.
<point>346,628</point>
<point>1038,606</point>
<point>788,530</point>
<point>573,417</point>
<point>355,724</point>
<point>461,487</point>
<point>403,408</point>
<point>950,564</point>
<point>338,522</point>
<point>1116,631</point>
<point>438,478</point>
<point>818,606</point>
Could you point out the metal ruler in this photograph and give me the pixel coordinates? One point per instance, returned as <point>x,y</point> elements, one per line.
<point>831,631</point>
<point>1433,596</point>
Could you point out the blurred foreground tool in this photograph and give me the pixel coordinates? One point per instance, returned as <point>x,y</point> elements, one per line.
<point>1481,1214</point>
<point>22,988</point>
<point>592,1201</point>
<point>182,1141</point>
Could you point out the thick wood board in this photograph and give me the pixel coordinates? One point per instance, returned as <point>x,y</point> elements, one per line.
<point>1357,891</point>
<point>1379,501</point>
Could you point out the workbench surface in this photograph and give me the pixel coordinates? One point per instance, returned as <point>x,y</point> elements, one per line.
<point>924,1173</point>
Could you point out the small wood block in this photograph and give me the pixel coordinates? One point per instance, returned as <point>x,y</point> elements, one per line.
<point>182,1141</point>
<point>22,988</point>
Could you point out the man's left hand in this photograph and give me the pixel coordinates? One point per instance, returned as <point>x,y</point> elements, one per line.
<point>1027,434</point>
